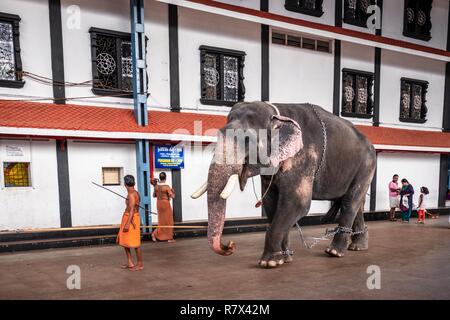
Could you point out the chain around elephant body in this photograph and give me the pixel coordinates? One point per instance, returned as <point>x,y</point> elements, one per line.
<point>324,134</point>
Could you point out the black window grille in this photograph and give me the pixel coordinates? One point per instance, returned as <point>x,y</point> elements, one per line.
<point>222,76</point>
<point>16,174</point>
<point>309,7</point>
<point>413,100</point>
<point>10,61</point>
<point>417,19</point>
<point>357,93</point>
<point>112,67</point>
<point>355,12</point>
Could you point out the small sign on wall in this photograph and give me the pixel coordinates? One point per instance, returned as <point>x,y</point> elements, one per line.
<point>14,151</point>
<point>167,156</point>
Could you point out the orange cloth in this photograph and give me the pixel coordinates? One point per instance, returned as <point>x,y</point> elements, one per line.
<point>163,194</point>
<point>132,238</point>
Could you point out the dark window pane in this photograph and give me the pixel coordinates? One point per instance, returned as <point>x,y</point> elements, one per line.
<point>7,61</point>
<point>106,62</point>
<point>405,101</point>
<point>231,78</point>
<point>278,38</point>
<point>211,76</point>
<point>293,41</point>
<point>349,93</point>
<point>127,66</point>
<point>362,91</point>
<point>323,46</point>
<point>308,43</point>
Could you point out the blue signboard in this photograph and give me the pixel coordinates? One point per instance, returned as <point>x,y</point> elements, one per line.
<point>169,157</point>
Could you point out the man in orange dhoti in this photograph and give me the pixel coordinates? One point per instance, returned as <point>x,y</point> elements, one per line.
<point>163,194</point>
<point>130,229</point>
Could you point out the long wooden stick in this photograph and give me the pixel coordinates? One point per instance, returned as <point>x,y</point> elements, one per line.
<point>117,194</point>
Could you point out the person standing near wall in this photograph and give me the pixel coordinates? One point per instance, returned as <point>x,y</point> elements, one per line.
<point>406,191</point>
<point>163,194</point>
<point>394,192</point>
<point>130,229</point>
<point>421,207</point>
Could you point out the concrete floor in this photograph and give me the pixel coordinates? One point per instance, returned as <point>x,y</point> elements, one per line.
<point>414,261</point>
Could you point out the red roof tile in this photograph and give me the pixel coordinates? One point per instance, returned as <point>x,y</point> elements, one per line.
<point>22,114</point>
<point>77,117</point>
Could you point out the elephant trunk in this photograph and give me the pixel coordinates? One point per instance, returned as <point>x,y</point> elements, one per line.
<point>222,179</point>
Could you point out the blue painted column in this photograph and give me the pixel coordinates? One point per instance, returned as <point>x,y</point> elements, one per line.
<point>138,51</point>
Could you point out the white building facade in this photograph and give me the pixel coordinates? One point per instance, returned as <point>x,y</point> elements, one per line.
<point>65,95</point>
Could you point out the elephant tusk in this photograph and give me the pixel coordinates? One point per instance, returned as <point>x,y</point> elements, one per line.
<point>200,191</point>
<point>230,186</point>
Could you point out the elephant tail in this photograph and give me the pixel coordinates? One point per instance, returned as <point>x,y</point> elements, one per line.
<point>332,213</point>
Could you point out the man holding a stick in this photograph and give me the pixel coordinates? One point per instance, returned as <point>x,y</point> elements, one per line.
<point>130,229</point>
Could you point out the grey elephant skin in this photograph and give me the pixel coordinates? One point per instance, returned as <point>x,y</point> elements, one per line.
<point>308,168</point>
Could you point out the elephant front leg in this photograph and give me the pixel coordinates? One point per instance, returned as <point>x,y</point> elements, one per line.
<point>290,209</point>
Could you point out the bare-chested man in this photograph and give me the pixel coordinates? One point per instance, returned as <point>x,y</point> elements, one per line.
<point>130,229</point>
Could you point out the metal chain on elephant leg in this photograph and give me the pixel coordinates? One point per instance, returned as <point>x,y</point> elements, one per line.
<point>325,140</point>
<point>328,235</point>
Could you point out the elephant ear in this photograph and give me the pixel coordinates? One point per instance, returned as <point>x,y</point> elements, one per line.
<point>289,139</point>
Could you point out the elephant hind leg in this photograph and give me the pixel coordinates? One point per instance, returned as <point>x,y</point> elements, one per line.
<point>352,203</point>
<point>360,241</point>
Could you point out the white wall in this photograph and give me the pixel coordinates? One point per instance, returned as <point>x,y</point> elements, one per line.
<point>199,28</point>
<point>115,15</point>
<point>419,169</point>
<point>394,66</point>
<point>36,206</point>
<point>90,204</point>
<point>301,75</point>
<point>393,23</point>
<point>252,4</point>
<point>277,7</point>
<point>34,45</point>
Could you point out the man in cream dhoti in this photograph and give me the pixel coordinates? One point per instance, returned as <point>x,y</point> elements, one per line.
<point>130,229</point>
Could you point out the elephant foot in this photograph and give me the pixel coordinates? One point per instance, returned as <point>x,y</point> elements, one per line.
<point>272,261</point>
<point>334,252</point>
<point>360,242</point>
<point>288,256</point>
<point>338,246</point>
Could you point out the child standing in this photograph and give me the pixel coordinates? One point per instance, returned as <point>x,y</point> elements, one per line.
<point>422,205</point>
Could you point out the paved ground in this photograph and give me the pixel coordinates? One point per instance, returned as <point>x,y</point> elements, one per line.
<point>414,261</point>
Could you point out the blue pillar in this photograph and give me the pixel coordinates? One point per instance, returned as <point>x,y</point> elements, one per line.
<point>138,45</point>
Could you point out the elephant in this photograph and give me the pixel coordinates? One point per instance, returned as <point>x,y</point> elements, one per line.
<point>319,156</point>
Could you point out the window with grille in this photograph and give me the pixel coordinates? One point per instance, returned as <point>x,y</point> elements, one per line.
<point>222,76</point>
<point>299,41</point>
<point>355,12</point>
<point>357,92</point>
<point>417,19</point>
<point>16,174</point>
<point>412,100</point>
<point>309,7</point>
<point>111,176</point>
<point>111,63</point>
<point>10,61</point>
